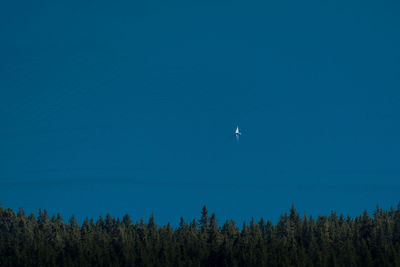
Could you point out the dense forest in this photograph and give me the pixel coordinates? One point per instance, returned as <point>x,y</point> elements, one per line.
<point>293,241</point>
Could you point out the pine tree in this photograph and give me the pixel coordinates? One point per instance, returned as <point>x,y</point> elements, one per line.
<point>204,220</point>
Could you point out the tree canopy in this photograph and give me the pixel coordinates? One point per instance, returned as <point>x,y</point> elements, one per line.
<point>334,240</point>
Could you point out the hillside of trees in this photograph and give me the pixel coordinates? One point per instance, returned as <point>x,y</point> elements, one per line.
<point>366,240</point>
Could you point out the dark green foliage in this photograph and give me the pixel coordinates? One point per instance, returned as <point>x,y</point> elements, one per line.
<point>294,241</point>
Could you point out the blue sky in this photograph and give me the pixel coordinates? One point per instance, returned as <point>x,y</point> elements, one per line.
<point>131,107</point>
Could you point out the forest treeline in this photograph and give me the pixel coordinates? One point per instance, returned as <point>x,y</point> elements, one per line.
<point>366,240</point>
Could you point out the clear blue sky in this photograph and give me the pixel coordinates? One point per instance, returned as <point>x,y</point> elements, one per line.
<point>131,107</point>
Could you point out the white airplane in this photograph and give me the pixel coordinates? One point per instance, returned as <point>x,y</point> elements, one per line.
<point>237,132</point>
